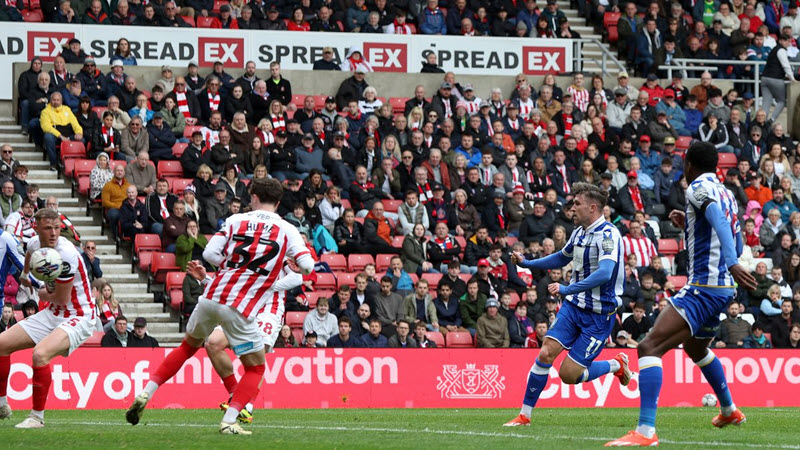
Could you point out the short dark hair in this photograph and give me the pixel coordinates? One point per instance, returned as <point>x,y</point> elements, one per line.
<point>120,317</point>
<point>344,288</point>
<point>268,190</point>
<point>345,319</point>
<point>638,305</point>
<point>594,193</point>
<point>703,156</point>
<point>386,279</point>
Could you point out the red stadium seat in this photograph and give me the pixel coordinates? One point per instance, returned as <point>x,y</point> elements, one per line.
<point>436,337</point>
<point>397,241</point>
<point>325,281</point>
<point>189,20</point>
<point>346,278</point>
<point>360,220</point>
<point>83,167</point>
<point>19,316</point>
<point>398,104</point>
<point>143,245</point>
<point>179,185</point>
<point>173,288</point>
<point>170,169</point>
<point>459,339</point>
<point>392,206</point>
<point>727,160</point>
<point>668,247</point>
<point>382,262</point>
<point>613,34</point>
<point>683,142</point>
<point>314,296</point>
<point>99,110</point>
<point>464,276</point>
<point>146,93</point>
<point>32,4</point>
<point>83,188</point>
<point>414,278</point>
<point>160,266</point>
<point>511,240</point>
<point>335,261</point>
<point>319,101</point>
<point>295,319</point>
<point>678,281</point>
<point>611,19</point>
<point>207,22</point>
<point>178,149</point>
<point>218,4</point>
<point>462,242</point>
<point>297,333</point>
<point>432,279</point>
<point>117,163</point>
<point>72,149</point>
<point>94,340</point>
<point>357,262</point>
<point>345,203</point>
<point>189,129</point>
<point>34,16</point>
<point>298,99</point>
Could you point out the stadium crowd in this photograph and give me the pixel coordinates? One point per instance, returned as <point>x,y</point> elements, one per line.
<point>448,182</point>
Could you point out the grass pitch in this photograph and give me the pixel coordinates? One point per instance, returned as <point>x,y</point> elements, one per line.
<point>400,428</point>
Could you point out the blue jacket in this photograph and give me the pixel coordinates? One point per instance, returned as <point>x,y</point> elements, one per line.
<point>450,314</point>
<point>433,22</point>
<point>528,17</point>
<point>367,341</point>
<point>160,138</point>
<point>355,18</point>
<point>786,209</point>
<point>675,115</point>
<point>454,20</point>
<point>643,52</point>
<point>651,162</point>
<point>771,19</point>
<point>148,116</point>
<point>71,100</point>
<point>694,118</point>
<point>353,342</point>
<point>405,283</point>
<point>129,61</point>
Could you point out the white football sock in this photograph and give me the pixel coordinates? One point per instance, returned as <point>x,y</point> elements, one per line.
<point>728,410</point>
<point>646,431</point>
<point>526,411</point>
<point>230,415</point>
<point>150,388</point>
<point>615,366</point>
<point>38,414</point>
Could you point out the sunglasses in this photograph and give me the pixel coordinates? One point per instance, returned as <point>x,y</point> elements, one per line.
<point>7,152</point>
<point>90,248</point>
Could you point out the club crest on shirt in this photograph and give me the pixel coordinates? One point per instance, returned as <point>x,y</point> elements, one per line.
<point>608,242</point>
<point>700,194</point>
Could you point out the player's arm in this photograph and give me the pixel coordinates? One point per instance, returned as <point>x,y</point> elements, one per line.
<point>288,281</point>
<point>555,261</point>
<point>597,278</point>
<point>63,283</point>
<point>214,253</point>
<point>297,249</point>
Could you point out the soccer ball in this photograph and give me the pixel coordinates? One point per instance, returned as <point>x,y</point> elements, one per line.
<point>710,400</point>
<point>45,264</point>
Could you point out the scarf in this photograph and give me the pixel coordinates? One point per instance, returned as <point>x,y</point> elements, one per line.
<point>278,123</point>
<point>108,136</point>
<point>354,62</point>
<point>400,28</point>
<point>567,118</point>
<point>183,104</point>
<point>636,196</point>
<point>524,322</point>
<point>501,218</point>
<point>425,194</point>
<point>444,244</point>
<point>266,137</point>
<point>213,101</point>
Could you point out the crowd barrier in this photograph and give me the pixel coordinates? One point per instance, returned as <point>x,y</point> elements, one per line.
<point>395,378</point>
<point>155,46</point>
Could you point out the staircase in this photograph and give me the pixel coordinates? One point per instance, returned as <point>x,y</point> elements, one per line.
<point>129,288</point>
<point>591,53</point>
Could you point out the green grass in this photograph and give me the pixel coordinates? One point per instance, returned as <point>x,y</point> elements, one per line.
<point>400,428</point>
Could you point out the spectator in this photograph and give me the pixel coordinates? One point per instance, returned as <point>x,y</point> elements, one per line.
<point>374,338</point>
<point>133,140</point>
<point>520,327</point>
<point>733,330</point>
<point>321,322</point>
<point>419,336</point>
<point>402,338</point>
<point>133,217</point>
<point>118,335</point>
<point>637,325</point>
<point>419,307</point>
<point>192,289</point>
<point>58,122</point>
<point>7,319</point>
<point>139,338</point>
<point>344,339</point>
<point>91,260</point>
<point>492,328</point>
<point>780,325</point>
<point>161,138</point>
<point>327,62</point>
<point>174,225</point>
<point>142,174</point>
<point>113,194</point>
<point>757,338</point>
<point>378,232</point>
<point>471,305</point>
<point>285,338</point>
<point>389,306</point>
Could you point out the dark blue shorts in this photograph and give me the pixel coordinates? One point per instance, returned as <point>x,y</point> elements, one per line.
<point>700,309</point>
<point>583,333</point>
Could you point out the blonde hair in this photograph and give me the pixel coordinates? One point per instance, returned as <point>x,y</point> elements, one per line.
<point>204,168</point>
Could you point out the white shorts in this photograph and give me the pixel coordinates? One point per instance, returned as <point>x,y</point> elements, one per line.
<point>41,324</point>
<point>270,324</point>
<point>244,335</point>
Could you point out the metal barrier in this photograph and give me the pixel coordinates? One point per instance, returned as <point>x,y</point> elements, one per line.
<point>607,59</point>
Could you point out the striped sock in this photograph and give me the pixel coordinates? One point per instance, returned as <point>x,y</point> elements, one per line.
<point>715,375</point>
<point>537,379</point>
<point>650,378</point>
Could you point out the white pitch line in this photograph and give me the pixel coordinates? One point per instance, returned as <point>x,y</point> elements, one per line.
<point>430,431</point>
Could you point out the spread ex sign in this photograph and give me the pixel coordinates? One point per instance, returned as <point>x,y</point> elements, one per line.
<point>229,51</point>
<point>384,57</point>
<point>47,45</point>
<point>543,60</point>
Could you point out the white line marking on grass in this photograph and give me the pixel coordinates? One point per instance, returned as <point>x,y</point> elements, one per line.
<point>430,431</point>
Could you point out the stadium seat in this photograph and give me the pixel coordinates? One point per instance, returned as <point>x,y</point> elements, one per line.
<point>170,169</point>
<point>382,262</point>
<point>32,4</point>
<point>511,240</point>
<point>179,185</point>
<point>178,149</point>
<point>360,220</point>
<point>398,104</point>
<point>357,262</point>
<point>298,100</point>
<point>160,266</point>
<point>432,279</point>
<point>189,129</point>
<point>458,339</point>
<point>397,241</point>
<point>678,281</point>
<point>83,167</point>
<point>143,246</point>
<point>613,34</point>
<point>611,19</point>
<point>189,20</point>
<point>295,319</point>
<point>727,160</point>
<point>72,149</point>
<point>34,16</point>
<point>99,110</point>
<point>683,142</point>
<point>436,337</point>
<point>84,186</point>
<point>462,242</point>
<point>668,247</point>
<point>207,22</point>
<point>218,4</point>
<point>464,276</point>
<point>319,101</point>
<point>19,315</point>
<point>335,261</point>
<point>346,278</point>
<point>325,281</point>
<point>173,288</point>
<point>414,278</point>
<point>345,203</point>
<point>514,300</point>
<point>94,340</point>
<point>392,206</point>
<point>314,296</point>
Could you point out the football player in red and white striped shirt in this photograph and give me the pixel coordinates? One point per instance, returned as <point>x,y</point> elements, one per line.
<point>250,249</point>
<point>57,330</point>
<point>640,245</point>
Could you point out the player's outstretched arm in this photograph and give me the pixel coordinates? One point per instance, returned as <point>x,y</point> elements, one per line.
<point>213,251</point>
<point>597,278</point>
<point>555,261</point>
<point>717,219</point>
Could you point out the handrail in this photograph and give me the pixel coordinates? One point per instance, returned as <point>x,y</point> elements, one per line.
<point>607,58</point>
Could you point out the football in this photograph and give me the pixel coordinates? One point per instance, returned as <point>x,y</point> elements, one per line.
<point>710,400</point>
<point>45,264</point>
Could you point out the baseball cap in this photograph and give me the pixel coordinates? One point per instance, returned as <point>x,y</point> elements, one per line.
<point>311,334</point>
<point>652,77</point>
<point>192,64</point>
<point>483,262</point>
<point>308,136</point>
<point>620,91</point>
<point>446,85</point>
<point>88,60</point>
<point>140,322</point>
<point>678,75</point>
<point>468,87</point>
<point>644,138</point>
<point>492,302</point>
<point>632,174</point>
<point>219,187</point>
<point>437,187</point>
<point>669,93</point>
<point>623,334</point>
<point>662,113</point>
<point>225,8</point>
<point>484,104</point>
<point>498,194</point>
<point>166,68</point>
<point>330,99</point>
<point>158,115</point>
<point>623,75</point>
<point>117,63</point>
<point>273,8</point>
<point>669,140</point>
<point>339,134</point>
<point>748,95</point>
<point>73,41</point>
<point>512,105</point>
<point>280,134</point>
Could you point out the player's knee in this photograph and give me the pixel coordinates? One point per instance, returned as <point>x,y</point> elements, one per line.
<point>40,358</point>
<point>546,356</point>
<point>570,375</point>
<point>215,344</point>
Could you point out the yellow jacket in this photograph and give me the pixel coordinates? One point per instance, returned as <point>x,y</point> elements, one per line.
<point>52,117</point>
<point>114,193</point>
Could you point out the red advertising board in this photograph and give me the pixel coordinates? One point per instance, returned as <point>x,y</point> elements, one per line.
<point>424,378</point>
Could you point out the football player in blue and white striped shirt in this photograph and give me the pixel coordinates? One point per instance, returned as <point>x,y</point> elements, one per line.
<point>714,242</point>
<point>587,315</point>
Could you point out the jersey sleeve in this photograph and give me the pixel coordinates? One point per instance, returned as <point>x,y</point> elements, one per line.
<point>608,245</point>
<point>14,250</point>
<point>569,247</point>
<point>214,252</point>
<point>699,196</point>
<point>296,248</point>
<point>69,261</point>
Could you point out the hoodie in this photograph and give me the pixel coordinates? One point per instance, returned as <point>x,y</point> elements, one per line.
<point>325,326</point>
<point>757,217</point>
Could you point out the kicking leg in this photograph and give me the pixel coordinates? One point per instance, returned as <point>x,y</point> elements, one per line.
<point>55,344</point>
<point>537,380</point>
<point>669,331</point>
<point>709,364</point>
<point>246,391</point>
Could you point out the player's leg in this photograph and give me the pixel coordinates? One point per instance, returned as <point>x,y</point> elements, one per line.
<point>245,392</point>
<point>215,347</point>
<point>669,331</point>
<point>697,349</point>
<point>11,340</point>
<point>580,366</point>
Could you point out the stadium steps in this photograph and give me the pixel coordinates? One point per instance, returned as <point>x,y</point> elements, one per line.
<point>592,55</point>
<point>130,288</point>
